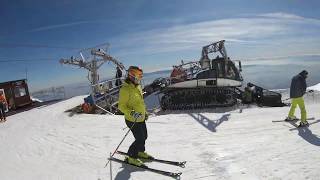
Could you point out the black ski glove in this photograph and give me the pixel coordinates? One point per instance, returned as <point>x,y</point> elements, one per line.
<point>135,115</point>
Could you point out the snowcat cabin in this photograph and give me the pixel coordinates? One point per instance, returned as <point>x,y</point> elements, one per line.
<point>228,72</point>
<point>233,72</point>
<point>218,70</point>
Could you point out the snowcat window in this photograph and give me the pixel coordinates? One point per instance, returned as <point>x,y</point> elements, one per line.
<point>232,71</point>
<point>20,91</point>
<point>220,69</point>
<point>207,74</point>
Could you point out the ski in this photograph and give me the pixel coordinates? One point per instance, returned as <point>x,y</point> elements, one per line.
<point>308,119</point>
<point>165,173</point>
<point>298,127</point>
<point>175,163</point>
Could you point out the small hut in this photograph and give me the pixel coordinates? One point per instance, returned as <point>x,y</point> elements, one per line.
<point>16,92</point>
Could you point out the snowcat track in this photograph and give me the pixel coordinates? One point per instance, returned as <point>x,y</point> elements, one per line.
<point>196,98</point>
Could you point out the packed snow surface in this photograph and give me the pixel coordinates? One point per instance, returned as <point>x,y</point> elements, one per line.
<point>46,143</point>
<point>35,99</point>
<point>315,87</point>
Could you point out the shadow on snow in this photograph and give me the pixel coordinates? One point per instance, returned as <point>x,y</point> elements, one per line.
<point>208,123</point>
<point>126,171</point>
<point>308,136</point>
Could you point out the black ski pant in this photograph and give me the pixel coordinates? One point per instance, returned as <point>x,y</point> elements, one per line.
<point>139,131</point>
<point>2,111</point>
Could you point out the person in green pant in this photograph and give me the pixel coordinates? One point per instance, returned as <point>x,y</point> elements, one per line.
<point>297,90</point>
<point>131,104</point>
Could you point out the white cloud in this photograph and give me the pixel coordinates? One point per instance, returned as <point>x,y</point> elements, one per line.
<point>281,15</point>
<point>58,26</point>
<point>281,60</point>
<point>268,29</point>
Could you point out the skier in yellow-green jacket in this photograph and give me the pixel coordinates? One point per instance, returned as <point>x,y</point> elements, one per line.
<point>131,104</point>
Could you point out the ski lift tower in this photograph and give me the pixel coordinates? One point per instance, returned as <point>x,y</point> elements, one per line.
<point>98,57</point>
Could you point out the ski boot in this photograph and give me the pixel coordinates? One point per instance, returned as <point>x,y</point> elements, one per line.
<point>134,161</point>
<point>303,124</point>
<point>144,155</point>
<point>291,118</point>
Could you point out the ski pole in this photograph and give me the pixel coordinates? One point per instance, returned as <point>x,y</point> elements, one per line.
<point>121,141</point>
<point>286,99</point>
<point>310,91</point>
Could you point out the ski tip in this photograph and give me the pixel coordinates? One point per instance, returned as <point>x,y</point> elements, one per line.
<point>183,164</point>
<point>177,175</point>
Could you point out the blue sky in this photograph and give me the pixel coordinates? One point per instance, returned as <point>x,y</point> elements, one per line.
<point>154,34</point>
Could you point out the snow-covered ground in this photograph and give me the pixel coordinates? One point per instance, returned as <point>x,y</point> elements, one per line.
<point>46,143</point>
<point>35,99</point>
<point>315,87</point>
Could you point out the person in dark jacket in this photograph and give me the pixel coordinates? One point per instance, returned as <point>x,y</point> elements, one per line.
<point>297,90</point>
<point>118,76</point>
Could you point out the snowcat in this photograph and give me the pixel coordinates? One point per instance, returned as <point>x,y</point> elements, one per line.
<point>209,82</point>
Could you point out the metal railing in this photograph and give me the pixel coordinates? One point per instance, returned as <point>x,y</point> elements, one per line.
<point>107,100</point>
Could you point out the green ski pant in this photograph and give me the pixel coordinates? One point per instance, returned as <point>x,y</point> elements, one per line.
<point>300,102</point>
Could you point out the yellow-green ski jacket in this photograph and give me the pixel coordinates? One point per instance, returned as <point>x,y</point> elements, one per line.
<point>131,99</point>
